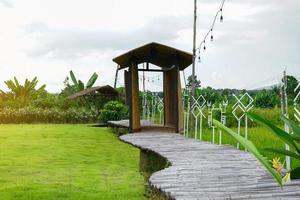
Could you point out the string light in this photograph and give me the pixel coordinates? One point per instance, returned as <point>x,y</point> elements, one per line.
<point>151,79</point>
<point>199,57</point>
<point>221,17</point>
<point>210,32</point>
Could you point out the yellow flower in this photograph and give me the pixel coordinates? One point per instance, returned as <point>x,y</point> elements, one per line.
<point>277,166</point>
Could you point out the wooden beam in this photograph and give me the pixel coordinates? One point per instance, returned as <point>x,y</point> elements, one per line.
<point>150,70</point>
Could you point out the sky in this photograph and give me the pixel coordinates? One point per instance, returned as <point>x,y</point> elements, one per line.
<point>256,42</point>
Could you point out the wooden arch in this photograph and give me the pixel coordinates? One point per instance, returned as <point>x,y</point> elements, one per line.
<point>171,61</point>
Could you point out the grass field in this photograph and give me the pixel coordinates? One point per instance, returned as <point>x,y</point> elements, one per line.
<point>43,162</point>
<point>261,138</point>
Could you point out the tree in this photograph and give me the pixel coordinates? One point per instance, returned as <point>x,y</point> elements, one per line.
<point>24,94</point>
<point>266,99</point>
<point>189,82</point>
<point>78,85</point>
<point>292,83</point>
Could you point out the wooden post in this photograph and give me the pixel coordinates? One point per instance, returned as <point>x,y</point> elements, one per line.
<point>134,98</point>
<point>176,100</point>
<point>116,77</point>
<point>127,87</point>
<point>180,106</point>
<point>169,105</point>
<point>173,99</point>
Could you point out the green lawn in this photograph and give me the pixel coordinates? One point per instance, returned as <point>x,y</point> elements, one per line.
<point>260,136</point>
<point>43,162</point>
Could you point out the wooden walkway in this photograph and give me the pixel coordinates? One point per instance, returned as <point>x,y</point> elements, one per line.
<point>146,125</point>
<point>200,170</point>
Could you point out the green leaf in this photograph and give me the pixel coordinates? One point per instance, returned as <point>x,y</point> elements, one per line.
<point>10,84</point>
<point>295,173</point>
<point>283,152</point>
<point>41,89</point>
<point>16,82</point>
<point>92,80</point>
<point>252,149</point>
<point>72,75</point>
<point>292,125</point>
<point>284,136</point>
<point>80,86</point>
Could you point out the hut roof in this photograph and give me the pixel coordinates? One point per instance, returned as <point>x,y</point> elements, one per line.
<point>105,90</point>
<point>157,54</point>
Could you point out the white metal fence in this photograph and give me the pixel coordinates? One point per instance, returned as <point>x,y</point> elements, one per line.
<point>198,111</point>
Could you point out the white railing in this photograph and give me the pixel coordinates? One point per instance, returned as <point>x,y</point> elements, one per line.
<point>222,111</point>
<point>198,109</point>
<point>243,104</point>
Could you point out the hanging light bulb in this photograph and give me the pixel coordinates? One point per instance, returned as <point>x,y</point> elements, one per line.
<point>199,59</point>
<point>204,47</point>
<point>211,36</point>
<point>221,17</point>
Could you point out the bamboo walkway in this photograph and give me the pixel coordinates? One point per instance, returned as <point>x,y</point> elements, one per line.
<point>201,170</point>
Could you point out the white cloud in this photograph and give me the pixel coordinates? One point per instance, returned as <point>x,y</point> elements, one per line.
<point>258,39</point>
<point>7,3</point>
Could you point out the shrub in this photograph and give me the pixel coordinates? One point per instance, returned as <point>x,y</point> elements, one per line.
<point>41,115</point>
<point>113,110</point>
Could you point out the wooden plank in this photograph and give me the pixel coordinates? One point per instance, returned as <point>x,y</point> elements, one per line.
<point>201,170</point>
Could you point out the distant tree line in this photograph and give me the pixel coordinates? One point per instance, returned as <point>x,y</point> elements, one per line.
<point>28,103</point>
<point>263,98</point>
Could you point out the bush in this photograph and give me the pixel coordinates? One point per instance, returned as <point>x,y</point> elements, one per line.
<point>39,115</point>
<point>113,110</point>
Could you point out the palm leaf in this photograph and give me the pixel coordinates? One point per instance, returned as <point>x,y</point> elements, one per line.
<point>80,86</point>
<point>16,82</point>
<point>283,152</point>
<point>92,80</point>
<point>251,148</point>
<point>11,85</point>
<point>41,89</point>
<point>73,78</point>
<point>284,136</point>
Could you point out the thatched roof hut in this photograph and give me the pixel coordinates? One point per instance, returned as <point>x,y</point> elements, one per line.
<point>105,91</point>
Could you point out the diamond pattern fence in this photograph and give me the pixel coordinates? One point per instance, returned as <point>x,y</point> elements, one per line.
<point>197,110</point>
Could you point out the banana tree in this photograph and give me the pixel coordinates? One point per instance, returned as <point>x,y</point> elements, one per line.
<point>78,85</point>
<point>24,93</point>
